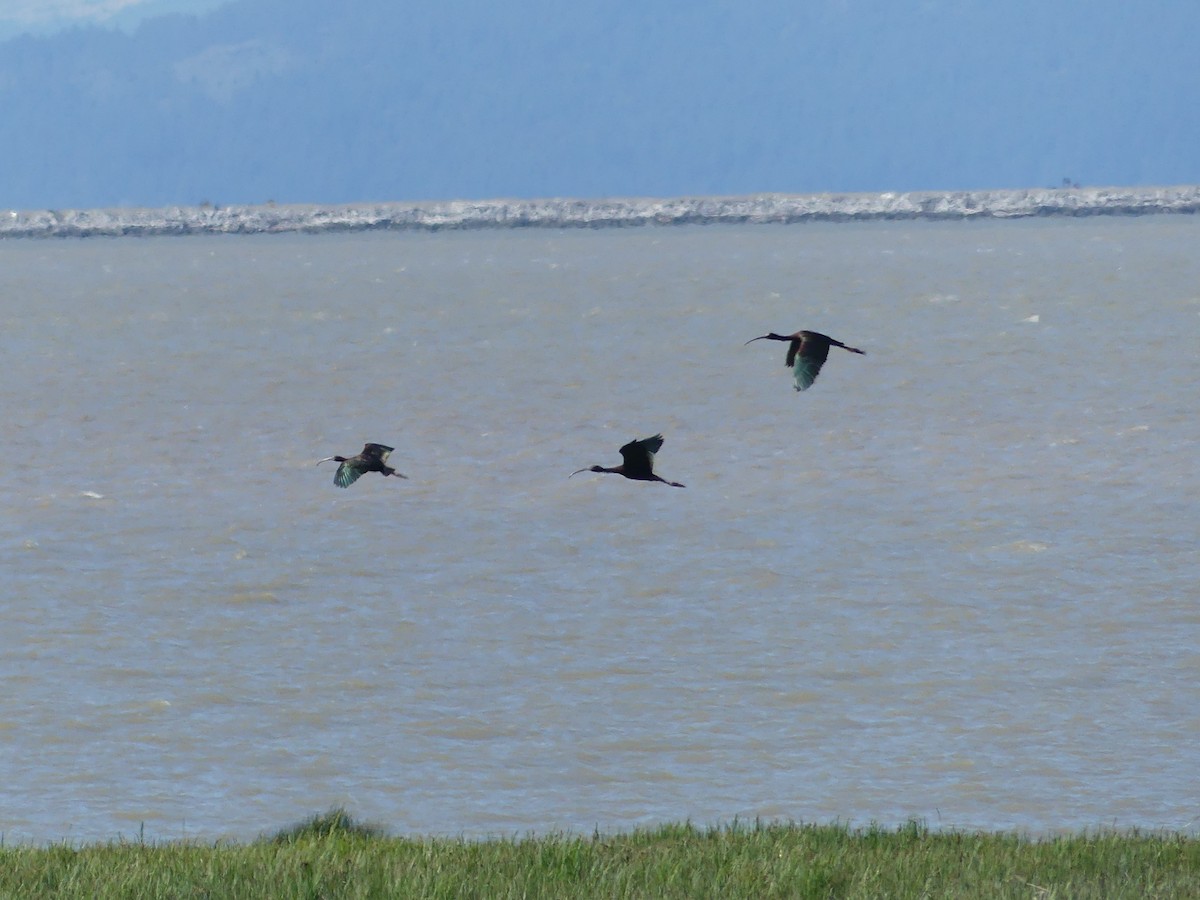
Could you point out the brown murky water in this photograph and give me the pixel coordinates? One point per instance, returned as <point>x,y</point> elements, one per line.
<point>956,580</point>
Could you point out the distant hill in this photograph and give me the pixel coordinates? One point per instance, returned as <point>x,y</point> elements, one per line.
<point>368,100</point>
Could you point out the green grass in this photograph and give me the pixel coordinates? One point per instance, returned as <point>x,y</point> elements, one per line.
<point>333,856</point>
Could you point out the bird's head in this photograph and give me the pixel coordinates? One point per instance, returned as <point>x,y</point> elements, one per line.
<point>767,337</point>
<point>587,469</point>
<point>340,459</point>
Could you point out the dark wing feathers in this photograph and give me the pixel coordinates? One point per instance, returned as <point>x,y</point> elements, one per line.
<point>791,355</point>
<point>376,452</point>
<point>638,456</point>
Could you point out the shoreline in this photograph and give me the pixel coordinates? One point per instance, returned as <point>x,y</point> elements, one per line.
<point>333,856</point>
<point>337,821</point>
<point>756,209</point>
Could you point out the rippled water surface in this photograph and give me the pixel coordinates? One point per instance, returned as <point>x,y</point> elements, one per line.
<point>956,580</point>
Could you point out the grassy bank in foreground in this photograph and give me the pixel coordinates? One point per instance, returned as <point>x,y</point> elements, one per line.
<point>333,856</point>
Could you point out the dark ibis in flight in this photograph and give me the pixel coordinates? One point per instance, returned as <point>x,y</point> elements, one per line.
<point>372,459</point>
<point>638,462</point>
<point>807,352</point>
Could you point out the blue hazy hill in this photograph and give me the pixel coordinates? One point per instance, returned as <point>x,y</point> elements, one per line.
<point>306,101</point>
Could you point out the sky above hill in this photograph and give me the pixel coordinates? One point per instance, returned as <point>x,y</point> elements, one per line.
<point>156,102</point>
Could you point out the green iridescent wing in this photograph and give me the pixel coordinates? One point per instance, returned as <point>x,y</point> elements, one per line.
<point>805,371</point>
<point>346,475</point>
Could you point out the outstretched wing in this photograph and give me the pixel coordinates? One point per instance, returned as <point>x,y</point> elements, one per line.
<point>376,452</point>
<point>814,350</point>
<point>805,371</point>
<point>639,456</point>
<point>346,474</point>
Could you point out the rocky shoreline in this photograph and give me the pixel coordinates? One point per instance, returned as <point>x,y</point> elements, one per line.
<point>603,213</point>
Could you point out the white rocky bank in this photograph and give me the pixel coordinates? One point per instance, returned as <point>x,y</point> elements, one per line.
<point>557,213</point>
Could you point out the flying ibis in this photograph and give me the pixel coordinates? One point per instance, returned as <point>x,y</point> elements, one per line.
<point>807,352</point>
<point>372,459</point>
<point>638,462</point>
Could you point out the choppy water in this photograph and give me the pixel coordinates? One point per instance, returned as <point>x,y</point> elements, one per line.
<point>957,580</point>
